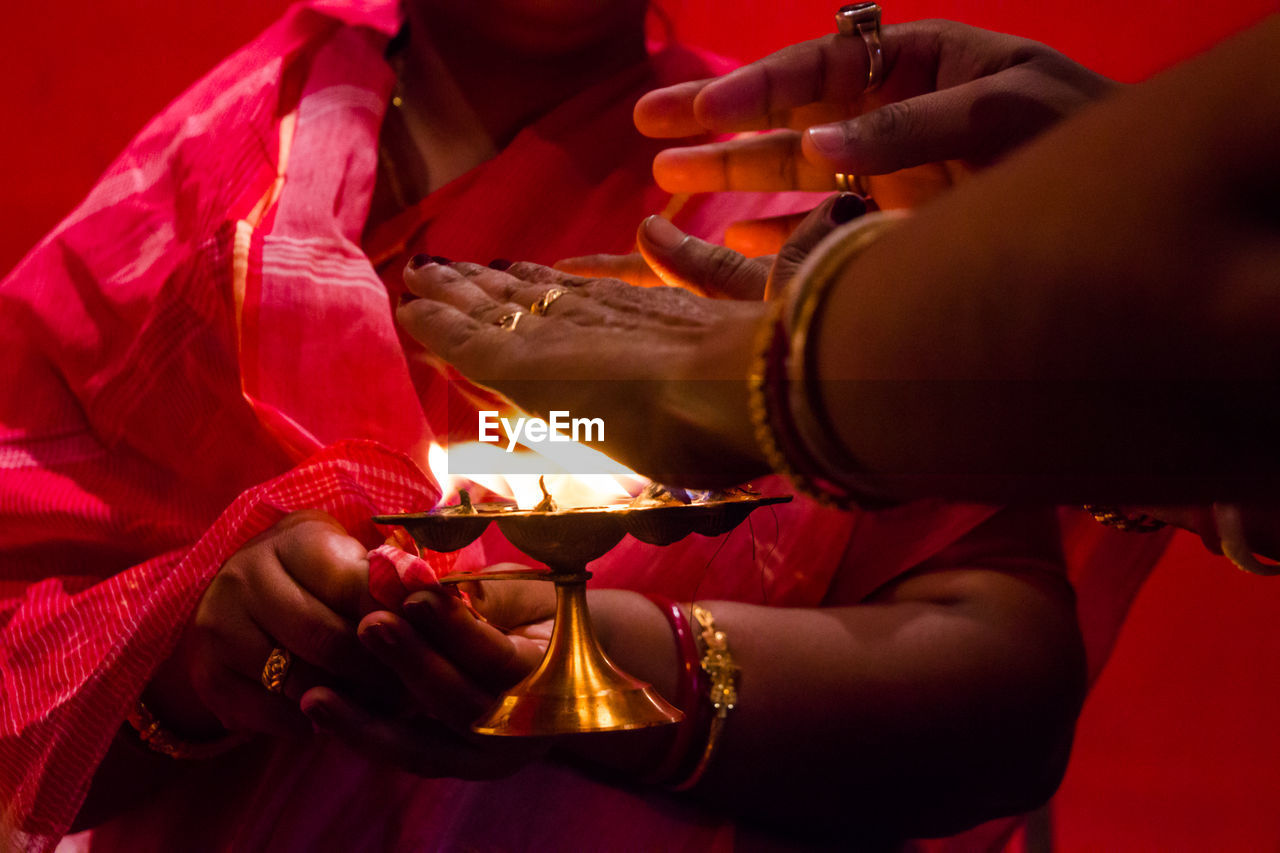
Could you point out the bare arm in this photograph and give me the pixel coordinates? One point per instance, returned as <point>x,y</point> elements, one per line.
<point>947,698</point>
<point>1135,247</point>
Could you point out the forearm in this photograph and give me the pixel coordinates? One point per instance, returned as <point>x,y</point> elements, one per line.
<point>1066,322</point>
<point>897,718</point>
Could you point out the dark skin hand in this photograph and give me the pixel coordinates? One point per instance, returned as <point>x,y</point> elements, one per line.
<point>954,98</point>
<point>301,585</point>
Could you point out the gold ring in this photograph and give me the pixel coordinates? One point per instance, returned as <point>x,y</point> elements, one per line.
<point>276,669</point>
<point>508,322</point>
<point>863,19</point>
<point>544,301</point>
<point>847,183</point>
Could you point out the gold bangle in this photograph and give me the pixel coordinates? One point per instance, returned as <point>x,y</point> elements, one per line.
<point>1113,516</point>
<point>830,259</point>
<point>159,739</point>
<point>722,692</point>
<point>792,427</point>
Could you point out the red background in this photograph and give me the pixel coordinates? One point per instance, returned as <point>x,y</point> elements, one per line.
<point>1178,748</point>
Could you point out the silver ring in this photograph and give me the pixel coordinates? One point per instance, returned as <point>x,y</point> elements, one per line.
<point>863,19</point>
<point>544,301</point>
<point>508,322</point>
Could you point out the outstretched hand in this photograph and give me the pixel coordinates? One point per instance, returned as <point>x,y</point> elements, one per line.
<point>954,98</point>
<point>664,369</point>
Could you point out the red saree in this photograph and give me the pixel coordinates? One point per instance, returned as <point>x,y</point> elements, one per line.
<point>203,346</point>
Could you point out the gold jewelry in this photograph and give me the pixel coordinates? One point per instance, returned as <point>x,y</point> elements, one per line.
<point>159,739</point>
<point>847,183</point>
<point>792,428</point>
<point>722,693</point>
<point>276,669</point>
<point>540,307</point>
<point>1113,516</point>
<point>508,322</point>
<point>863,19</point>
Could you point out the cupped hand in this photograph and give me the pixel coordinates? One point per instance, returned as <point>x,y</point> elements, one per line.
<point>453,666</point>
<point>666,370</point>
<point>302,586</point>
<point>953,98</point>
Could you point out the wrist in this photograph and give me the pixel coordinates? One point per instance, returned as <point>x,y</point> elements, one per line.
<point>707,403</point>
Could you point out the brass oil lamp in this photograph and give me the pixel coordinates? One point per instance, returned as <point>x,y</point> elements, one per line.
<point>576,688</point>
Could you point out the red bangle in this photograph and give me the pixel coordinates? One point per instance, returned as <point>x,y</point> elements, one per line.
<point>690,688</point>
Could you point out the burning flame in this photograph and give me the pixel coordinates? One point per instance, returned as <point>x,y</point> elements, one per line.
<point>515,475</point>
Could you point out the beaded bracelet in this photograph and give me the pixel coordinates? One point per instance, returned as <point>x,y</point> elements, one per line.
<point>723,673</point>
<point>159,739</point>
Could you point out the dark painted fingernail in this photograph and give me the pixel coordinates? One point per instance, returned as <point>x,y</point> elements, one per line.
<point>419,260</point>
<point>501,264</point>
<point>847,207</point>
<point>441,260</point>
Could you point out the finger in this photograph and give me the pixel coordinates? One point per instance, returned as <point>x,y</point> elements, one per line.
<point>436,683</point>
<point>332,565</point>
<point>975,122</point>
<point>460,286</point>
<point>240,645</point>
<point>243,705</point>
<point>298,621</point>
<point>495,660</point>
<point>766,162</point>
<point>681,260</point>
<point>821,221</point>
<point>513,603</point>
<point>632,268</point>
<point>831,69</point>
<point>668,112</point>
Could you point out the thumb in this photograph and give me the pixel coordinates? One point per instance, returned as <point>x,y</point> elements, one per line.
<point>684,261</point>
<point>821,221</point>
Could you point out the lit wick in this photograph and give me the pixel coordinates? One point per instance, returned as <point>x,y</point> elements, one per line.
<point>548,503</point>
<point>465,506</point>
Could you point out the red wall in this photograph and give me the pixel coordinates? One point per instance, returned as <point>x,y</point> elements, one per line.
<point>1179,747</point>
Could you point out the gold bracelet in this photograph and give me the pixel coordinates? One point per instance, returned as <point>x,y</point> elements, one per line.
<point>1113,516</point>
<point>793,429</point>
<point>814,426</point>
<point>159,739</point>
<point>722,691</point>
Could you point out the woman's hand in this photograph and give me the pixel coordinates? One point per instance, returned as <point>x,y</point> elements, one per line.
<point>302,586</point>
<point>666,370</point>
<point>669,256</point>
<point>953,98</point>
<point>453,666</point>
